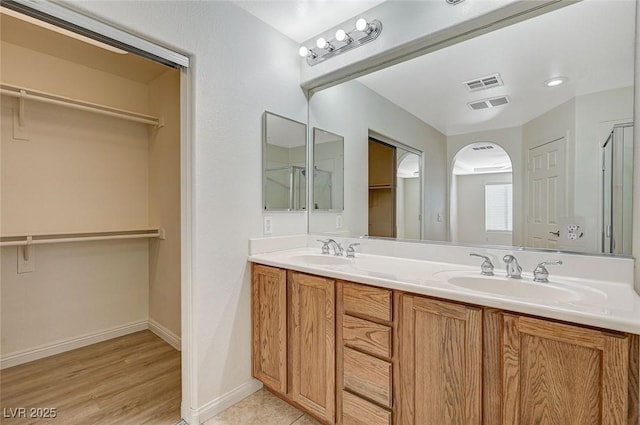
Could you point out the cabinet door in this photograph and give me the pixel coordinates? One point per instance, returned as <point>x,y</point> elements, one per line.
<point>269,309</point>
<point>312,321</point>
<point>562,374</point>
<point>440,363</point>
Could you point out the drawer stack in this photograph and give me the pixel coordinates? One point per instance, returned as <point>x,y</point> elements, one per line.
<point>365,372</point>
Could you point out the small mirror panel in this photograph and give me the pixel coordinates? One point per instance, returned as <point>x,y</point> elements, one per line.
<point>284,164</point>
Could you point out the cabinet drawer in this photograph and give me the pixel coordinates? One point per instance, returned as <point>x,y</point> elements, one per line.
<point>367,301</point>
<point>368,376</point>
<point>367,336</point>
<point>356,411</point>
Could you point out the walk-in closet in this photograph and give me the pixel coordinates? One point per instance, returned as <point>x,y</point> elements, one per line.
<point>90,230</point>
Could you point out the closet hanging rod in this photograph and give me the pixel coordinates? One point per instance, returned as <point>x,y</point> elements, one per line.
<point>79,237</point>
<point>54,99</point>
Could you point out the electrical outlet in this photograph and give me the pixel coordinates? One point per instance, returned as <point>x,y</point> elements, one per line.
<point>26,266</point>
<point>572,236</point>
<point>572,228</point>
<point>339,222</point>
<point>268,225</point>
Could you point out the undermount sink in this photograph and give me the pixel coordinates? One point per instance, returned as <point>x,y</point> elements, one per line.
<point>516,288</point>
<point>321,259</point>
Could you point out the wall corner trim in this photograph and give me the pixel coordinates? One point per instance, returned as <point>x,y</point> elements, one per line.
<point>42,351</point>
<point>164,333</point>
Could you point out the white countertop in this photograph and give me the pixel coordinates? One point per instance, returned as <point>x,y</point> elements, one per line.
<point>614,306</point>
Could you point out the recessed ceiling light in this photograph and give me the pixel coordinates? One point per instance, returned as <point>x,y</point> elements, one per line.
<point>556,81</point>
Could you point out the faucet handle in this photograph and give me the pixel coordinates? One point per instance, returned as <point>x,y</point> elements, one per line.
<point>351,252</point>
<point>325,246</point>
<point>541,274</point>
<point>487,266</point>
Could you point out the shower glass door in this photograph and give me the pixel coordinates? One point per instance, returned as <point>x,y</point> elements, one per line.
<point>617,190</point>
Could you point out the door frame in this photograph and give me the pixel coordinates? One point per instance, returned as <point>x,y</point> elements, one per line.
<point>389,141</point>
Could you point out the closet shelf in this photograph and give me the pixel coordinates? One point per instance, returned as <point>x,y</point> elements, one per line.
<point>39,239</point>
<point>23,94</point>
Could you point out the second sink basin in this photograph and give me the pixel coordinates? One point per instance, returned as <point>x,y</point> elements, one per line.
<point>516,288</point>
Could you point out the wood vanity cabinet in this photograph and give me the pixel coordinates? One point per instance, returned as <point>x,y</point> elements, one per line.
<point>353,354</point>
<point>269,326</point>
<point>293,337</point>
<point>557,373</point>
<point>440,362</point>
<point>312,343</point>
<point>365,355</point>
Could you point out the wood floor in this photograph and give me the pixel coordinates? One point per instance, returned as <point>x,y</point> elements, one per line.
<point>134,379</point>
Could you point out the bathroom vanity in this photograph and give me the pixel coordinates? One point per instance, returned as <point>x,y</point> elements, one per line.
<point>352,344</point>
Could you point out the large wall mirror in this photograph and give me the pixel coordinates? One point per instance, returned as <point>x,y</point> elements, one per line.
<point>284,182</point>
<point>510,156</point>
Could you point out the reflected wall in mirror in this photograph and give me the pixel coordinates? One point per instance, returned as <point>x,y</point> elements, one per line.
<point>328,171</point>
<point>284,182</point>
<point>491,90</point>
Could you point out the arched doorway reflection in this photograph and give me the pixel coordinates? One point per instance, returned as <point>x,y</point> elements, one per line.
<point>481,195</point>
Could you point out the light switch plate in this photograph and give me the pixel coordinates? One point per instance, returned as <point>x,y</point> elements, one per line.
<point>26,266</point>
<point>339,222</point>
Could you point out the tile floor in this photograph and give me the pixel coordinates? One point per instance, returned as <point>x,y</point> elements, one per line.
<point>262,408</point>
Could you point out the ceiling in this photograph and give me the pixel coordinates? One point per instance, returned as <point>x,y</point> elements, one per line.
<point>591,43</point>
<point>301,20</point>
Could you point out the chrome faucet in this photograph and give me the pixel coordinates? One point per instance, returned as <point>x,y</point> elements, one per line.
<point>337,248</point>
<point>541,274</point>
<point>514,270</point>
<point>487,266</point>
<point>351,252</point>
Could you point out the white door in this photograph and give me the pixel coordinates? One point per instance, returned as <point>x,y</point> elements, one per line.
<point>546,201</point>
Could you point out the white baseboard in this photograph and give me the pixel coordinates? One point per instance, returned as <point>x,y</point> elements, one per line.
<point>164,333</point>
<point>217,405</point>
<point>24,356</point>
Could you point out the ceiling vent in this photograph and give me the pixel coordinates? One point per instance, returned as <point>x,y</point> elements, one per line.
<point>484,83</point>
<point>454,2</point>
<point>488,103</point>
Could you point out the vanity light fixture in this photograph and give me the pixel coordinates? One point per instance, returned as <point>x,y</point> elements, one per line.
<point>556,81</point>
<point>364,32</point>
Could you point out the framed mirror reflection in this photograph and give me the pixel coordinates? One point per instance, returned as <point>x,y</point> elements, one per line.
<point>513,125</point>
<point>284,181</point>
<point>328,171</point>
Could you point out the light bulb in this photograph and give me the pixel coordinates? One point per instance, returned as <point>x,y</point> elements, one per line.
<point>321,43</point>
<point>361,24</point>
<point>341,35</point>
<point>303,51</point>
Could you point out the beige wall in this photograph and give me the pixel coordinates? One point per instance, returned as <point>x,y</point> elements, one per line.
<point>76,290</point>
<point>164,203</point>
<point>70,79</point>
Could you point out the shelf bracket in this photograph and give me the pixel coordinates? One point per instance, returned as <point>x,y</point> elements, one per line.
<point>26,249</point>
<point>21,108</point>
<point>19,120</point>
